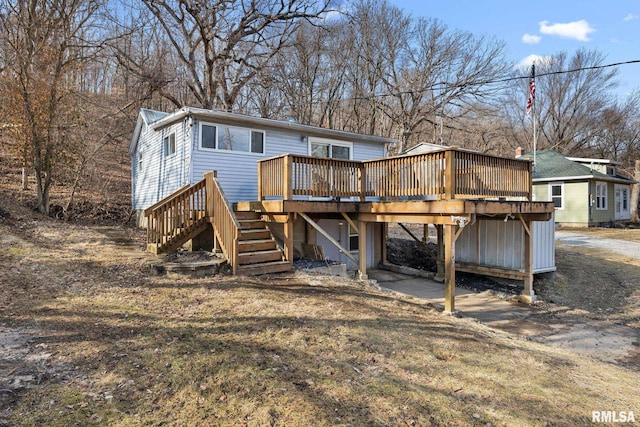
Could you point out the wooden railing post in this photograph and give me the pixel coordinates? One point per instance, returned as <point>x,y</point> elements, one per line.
<point>530,181</point>
<point>260,180</point>
<point>362,179</point>
<point>208,176</point>
<point>450,175</point>
<point>287,176</point>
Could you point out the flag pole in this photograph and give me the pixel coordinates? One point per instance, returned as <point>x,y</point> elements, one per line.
<point>531,106</point>
<point>535,136</point>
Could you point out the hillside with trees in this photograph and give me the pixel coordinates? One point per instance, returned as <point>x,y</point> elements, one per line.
<point>74,74</point>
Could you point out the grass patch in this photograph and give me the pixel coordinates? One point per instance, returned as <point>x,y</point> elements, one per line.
<point>128,348</point>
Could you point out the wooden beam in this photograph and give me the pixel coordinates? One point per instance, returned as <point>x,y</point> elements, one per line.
<point>411,218</point>
<point>288,241</point>
<point>329,238</point>
<point>423,243</point>
<point>524,224</point>
<point>385,232</point>
<point>449,269</point>
<point>528,295</point>
<point>350,221</point>
<point>490,271</point>
<point>362,249</point>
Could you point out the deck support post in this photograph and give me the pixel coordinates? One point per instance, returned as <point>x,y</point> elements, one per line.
<point>449,268</point>
<point>362,249</point>
<point>288,239</point>
<point>439,277</point>
<point>385,233</point>
<point>528,295</point>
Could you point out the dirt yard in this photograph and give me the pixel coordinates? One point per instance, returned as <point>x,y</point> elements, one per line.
<point>90,337</point>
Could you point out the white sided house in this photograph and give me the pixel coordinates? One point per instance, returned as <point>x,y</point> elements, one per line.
<point>264,192</point>
<point>169,151</point>
<point>172,150</point>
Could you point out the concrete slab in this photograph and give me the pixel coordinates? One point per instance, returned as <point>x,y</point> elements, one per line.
<point>554,325</point>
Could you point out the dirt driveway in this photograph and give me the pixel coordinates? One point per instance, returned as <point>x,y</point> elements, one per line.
<point>631,249</point>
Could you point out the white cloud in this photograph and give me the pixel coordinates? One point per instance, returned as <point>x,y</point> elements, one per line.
<point>630,17</point>
<point>578,30</point>
<point>531,38</point>
<point>525,64</point>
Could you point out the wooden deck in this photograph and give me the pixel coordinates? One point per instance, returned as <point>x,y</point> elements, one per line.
<point>448,188</point>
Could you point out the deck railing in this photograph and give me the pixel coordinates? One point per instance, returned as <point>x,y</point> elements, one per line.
<point>225,223</point>
<point>296,175</point>
<point>175,215</point>
<point>443,174</point>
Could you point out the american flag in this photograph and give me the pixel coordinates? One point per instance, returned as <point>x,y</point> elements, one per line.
<point>532,90</point>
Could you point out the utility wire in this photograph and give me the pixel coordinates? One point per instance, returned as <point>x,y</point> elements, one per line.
<point>447,85</point>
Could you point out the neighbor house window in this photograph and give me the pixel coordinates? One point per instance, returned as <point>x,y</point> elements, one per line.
<point>169,144</point>
<point>625,199</point>
<point>227,138</point>
<point>139,161</point>
<point>557,195</point>
<point>601,195</point>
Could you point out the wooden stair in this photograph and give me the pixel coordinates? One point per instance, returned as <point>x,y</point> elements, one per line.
<point>258,252</point>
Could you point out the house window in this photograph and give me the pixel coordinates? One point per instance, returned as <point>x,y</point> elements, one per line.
<point>139,161</point>
<point>354,240</point>
<point>611,170</point>
<point>557,195</point>
<point>625,199</point>
<point>601,196</point>
<point>169,144</point>
<point>330,149</point>
<point>229,138</point>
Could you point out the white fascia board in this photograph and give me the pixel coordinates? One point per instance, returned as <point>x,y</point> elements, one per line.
<point>588,160</point>
<point>259,122</point>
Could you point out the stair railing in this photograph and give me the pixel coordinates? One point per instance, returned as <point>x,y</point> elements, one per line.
<point>225,224</point>
<point>179,213</point>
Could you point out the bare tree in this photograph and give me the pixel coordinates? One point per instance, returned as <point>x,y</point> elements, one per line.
<point>44,45</point>
<point>221,45</point>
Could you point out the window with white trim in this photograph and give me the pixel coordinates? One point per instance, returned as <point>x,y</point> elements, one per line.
<point>140,161</point>
<point>601,196</point>
<point>556,192</point>
<point>330,149</point>
<point>169,145</point>
<point>229,138</point>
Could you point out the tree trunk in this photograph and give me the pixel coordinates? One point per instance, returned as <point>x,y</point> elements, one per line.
<point>635,193</point>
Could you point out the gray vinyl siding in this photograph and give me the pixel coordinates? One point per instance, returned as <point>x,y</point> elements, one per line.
<point>238,171</point>
<point>160,175</point>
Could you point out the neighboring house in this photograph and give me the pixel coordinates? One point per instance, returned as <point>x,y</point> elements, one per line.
<point>171,150</point>
<point>585,192</point>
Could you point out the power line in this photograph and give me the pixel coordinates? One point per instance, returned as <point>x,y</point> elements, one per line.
<point>447,85</point>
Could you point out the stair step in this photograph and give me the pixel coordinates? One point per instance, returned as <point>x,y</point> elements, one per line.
<point>256,245</point>
<point>259,257</point>
<point>241,215</point>
<point>254,234</point>
<point>265,268</point>
<point>246,224</point>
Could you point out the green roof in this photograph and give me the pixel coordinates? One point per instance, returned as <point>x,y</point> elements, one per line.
<point>552,165</point>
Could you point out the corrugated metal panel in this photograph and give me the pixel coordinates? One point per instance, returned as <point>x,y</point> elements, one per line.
<point>496,243</point>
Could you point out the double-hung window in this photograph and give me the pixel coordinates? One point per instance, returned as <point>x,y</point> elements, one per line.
<point>229,138</point>
<point>169,145</point>
<point>557,195</point>
<point>601,196</point>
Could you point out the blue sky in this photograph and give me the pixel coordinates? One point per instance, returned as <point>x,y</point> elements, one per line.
<point>545,27</point>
